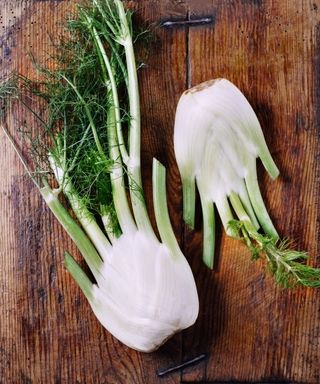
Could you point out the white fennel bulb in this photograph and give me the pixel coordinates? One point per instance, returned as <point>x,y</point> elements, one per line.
<point>217,139</point>
<point>145,293</point>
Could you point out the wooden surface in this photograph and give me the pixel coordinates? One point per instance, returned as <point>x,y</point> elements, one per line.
<point>252,331</point>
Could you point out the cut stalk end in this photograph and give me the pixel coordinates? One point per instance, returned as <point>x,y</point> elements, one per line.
<point>78,274</point>
<point>269,164</point>
<point>161,208</point>
<point>208,232</point>
<point>189,201</point>
<point>258,203</point>
<point>226,216</point>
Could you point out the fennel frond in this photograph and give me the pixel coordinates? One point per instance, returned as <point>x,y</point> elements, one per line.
<point>286,264</point>
<point>143,289</point>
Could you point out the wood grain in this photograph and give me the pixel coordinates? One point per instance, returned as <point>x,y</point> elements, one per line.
<point>48,332</point>
<point>251,330</point>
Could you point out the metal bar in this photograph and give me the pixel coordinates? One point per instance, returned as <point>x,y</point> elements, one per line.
<point>164,371</point>
<point>188,23</point>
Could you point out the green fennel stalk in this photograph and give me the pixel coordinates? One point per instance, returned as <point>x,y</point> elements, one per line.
<point>144,290</point>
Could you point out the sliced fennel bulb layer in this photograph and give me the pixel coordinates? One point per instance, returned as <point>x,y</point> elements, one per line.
<point>144,293</point>
<point>217,139</point>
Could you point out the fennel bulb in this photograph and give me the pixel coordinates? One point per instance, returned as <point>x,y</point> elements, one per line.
<point>143,294</point>
<point>144,290</point>
<point>217,139</point>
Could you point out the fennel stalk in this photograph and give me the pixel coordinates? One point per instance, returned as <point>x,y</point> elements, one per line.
<point>144,290</point>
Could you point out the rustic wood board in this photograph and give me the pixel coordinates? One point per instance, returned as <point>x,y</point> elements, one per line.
<point>251,330</point>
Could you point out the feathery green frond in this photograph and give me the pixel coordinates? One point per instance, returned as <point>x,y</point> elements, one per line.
<point>287,265</point>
